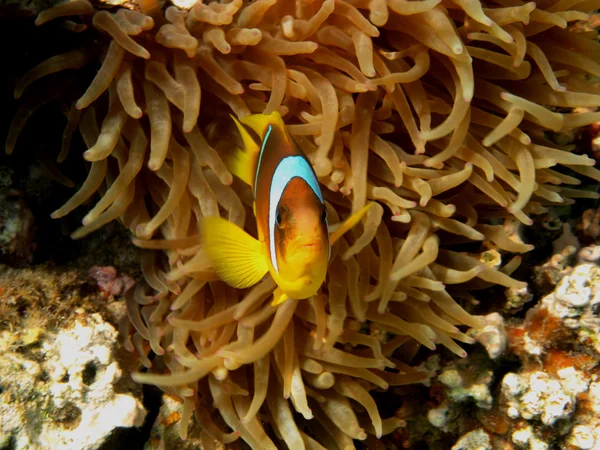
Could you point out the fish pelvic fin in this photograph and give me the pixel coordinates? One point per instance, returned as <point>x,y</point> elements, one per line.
<point>239,259</point>
<point>349,223</point>
<point>279,297</point>
<point>260,122</point>
<point>242,162</point>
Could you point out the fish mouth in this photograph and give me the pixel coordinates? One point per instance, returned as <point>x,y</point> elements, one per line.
<point>303,251</point>
<point>306,244</point>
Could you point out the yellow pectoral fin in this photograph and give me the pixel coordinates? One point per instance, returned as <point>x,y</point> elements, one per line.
<point>349,223</point>
<point>278,297</point>
<point>239,259</point>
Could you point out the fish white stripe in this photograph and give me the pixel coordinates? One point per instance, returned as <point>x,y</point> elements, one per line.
<point>288,168</point>
<point>262,151</point>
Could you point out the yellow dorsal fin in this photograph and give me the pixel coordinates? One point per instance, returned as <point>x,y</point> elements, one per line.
<point>239,259</point>
<point>349,223</point>
<point>242,163</point>
<point>260,122</point>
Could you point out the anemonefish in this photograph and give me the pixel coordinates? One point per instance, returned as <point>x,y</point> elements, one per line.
<point>294,243</point>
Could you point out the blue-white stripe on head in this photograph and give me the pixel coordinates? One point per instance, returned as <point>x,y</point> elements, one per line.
<point>288,168</point>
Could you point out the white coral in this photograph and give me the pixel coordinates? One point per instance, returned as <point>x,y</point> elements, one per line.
<point>474,440</point>
<point>538,395</point>
<point>82,372</point>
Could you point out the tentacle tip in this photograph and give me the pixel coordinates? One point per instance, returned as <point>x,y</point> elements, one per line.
<point>9,147</point>
<point>88,155</point>
<point>369,73</point>
<point>77,234</point>
<point>141,232</point>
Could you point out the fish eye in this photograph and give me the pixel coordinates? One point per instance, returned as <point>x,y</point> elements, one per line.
<point>279,219</point>
<point>324,215</point>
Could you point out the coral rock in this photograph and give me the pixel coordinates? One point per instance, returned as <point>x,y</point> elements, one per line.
<point>493,335</point>
<point>66,390</point>
<point>474,440</point>
<point>16,228</point>
<point>537,395</point>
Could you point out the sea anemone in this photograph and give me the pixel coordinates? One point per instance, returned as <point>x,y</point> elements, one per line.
<point>437,110</point>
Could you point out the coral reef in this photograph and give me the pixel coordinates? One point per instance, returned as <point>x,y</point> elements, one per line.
<point>110,282</point>
<point>549,396</point>
<point>561,334</point>
<point>16,228</point>
<point>492,336</point>
<point>590,224</point>
<point>436,110</point>
<point>473,440</point>
<point>61,379</point>
<point>165,433</point>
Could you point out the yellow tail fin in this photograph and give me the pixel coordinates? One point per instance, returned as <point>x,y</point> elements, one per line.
<point>239,259</point>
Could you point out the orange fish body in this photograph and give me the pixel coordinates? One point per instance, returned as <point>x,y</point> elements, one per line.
<point>293,240</point>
